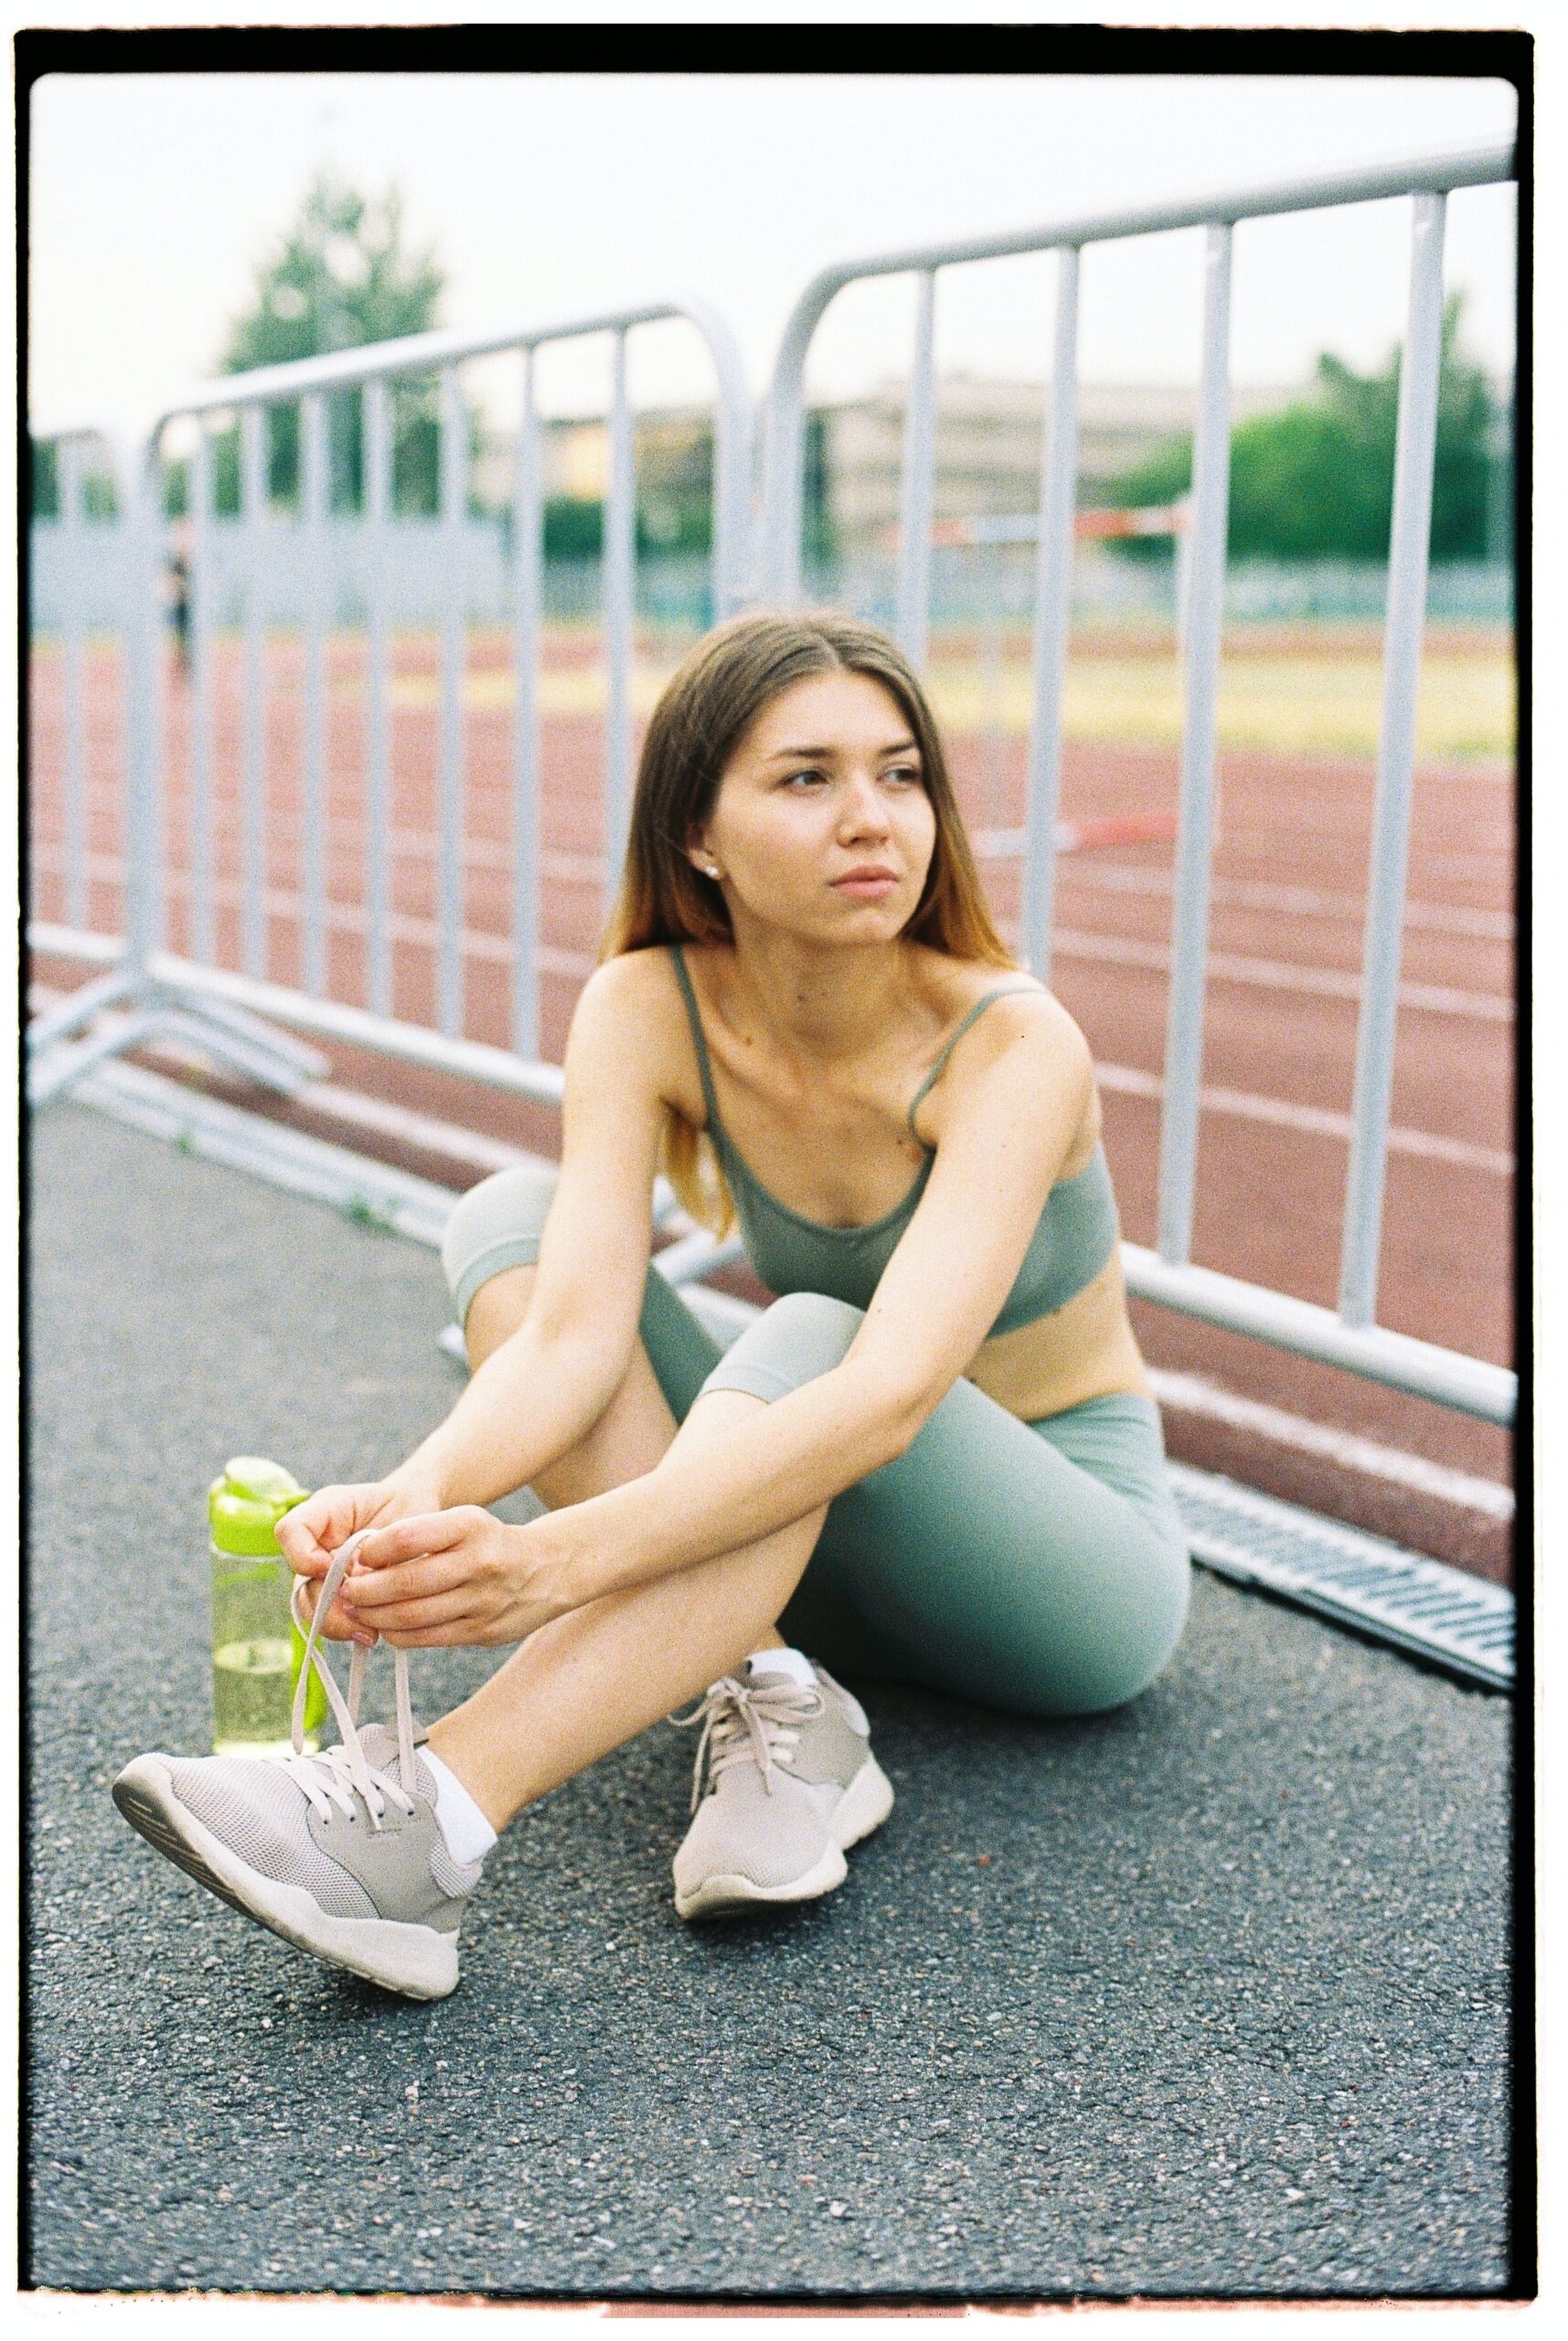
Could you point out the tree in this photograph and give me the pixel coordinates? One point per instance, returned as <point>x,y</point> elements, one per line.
<point>1315,479</point>
<point>339,278</point>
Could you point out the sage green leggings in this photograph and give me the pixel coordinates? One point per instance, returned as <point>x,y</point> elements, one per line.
<point>1037,1567</point>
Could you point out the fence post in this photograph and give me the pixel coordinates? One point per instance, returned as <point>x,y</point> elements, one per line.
<point>919,467</point>
<point>75,825</point>
<point>453,490</point>
<point>314,810</point>
<point>377,427</point>
<point>1415,447</point>
<point>252,751</point>
<point>1052,618</point>
<point>199,517</point>
<point>527,551</point>
<point>142,476</point>
<point>619,589</point>
<point>1195,834</point>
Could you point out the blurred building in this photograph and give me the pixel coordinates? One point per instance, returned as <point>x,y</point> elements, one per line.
<point>988,449</point>
<point>990,444</point>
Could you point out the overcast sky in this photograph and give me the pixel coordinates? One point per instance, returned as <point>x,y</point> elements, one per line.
<point>153,198</point>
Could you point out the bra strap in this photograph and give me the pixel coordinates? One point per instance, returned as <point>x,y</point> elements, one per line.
<point>678,956</point>
<point>1001,992</point>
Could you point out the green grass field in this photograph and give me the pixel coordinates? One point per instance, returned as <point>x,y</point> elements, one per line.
<point>1284,694</point>
<point>1283,690</point>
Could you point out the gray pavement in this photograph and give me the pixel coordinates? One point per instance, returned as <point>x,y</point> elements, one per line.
<point>1210,1996</point>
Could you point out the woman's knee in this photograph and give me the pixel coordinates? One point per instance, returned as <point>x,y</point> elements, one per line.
<point>496,1225</point>
<point>800,1337</point>
<point>1119,1657</point>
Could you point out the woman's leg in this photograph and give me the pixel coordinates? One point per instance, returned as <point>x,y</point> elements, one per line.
<point>1041,1569</point>
<point>586,1683</point>
<point>597,1677</point>
<point>1002,1561</point>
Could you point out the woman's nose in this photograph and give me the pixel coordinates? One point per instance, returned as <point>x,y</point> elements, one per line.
<point>865,809</point>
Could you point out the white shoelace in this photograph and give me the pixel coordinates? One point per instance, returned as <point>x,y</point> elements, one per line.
<point>746,1723</point>
<point>333,1778</point>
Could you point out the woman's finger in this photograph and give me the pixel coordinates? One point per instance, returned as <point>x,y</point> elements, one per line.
<point>301,1545</point>
<point>465,1634</point>
<point>310,1534</point>
<point>407,1540</point>
<point>340,1624</point>
<point>415,1617</point>
<point>430,1573</point>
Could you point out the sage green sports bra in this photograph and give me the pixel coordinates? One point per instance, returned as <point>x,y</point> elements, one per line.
<point>1075,1235</point>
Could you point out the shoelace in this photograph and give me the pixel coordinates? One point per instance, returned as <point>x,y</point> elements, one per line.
<point>339,1774</point>
<point>742,1722</point>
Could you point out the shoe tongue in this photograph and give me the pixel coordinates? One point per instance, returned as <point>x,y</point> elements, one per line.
<point>379,1742</point>
<point>781,1666</point>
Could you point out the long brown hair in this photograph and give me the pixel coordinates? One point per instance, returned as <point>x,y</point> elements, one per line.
<point>706,709</point>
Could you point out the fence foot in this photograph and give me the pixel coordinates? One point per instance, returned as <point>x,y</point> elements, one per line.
<point>276,1045</point>
<point>80,1007</point>
<point>64,1065</point>
<point>276,1059</point>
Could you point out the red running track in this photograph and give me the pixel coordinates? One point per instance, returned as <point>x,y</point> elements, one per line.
<point>1289,875</point>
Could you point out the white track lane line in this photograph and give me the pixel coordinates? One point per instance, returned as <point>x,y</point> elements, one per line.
<point>1191,1392</point>
<point>1316,1121</point>
<point>1122,1080</point>
<point>587,868</point>
<point>1194,1393</point>
<point>1281,975</point>
<point>1071,943</point>
<point>1173,1389</point>
<point>1251,894</point>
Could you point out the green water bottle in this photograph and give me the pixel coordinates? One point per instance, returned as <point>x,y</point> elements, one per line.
<point>257,1649</point>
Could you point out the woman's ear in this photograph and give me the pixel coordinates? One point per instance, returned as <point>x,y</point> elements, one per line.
<point>698,854</point>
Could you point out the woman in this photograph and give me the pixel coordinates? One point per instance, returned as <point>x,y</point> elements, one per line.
<point>935,1459</point>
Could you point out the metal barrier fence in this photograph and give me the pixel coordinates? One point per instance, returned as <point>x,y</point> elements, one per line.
<point>224,1008</point>
<point>194,991</point>
<point>1167,1274</point>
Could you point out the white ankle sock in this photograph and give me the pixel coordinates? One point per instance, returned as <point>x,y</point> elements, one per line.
<point>792,1662</point>
<point>468,1835</point>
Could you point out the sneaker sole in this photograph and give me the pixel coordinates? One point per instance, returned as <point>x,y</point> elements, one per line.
<point>864,1806</point>
<point>413,1960</point>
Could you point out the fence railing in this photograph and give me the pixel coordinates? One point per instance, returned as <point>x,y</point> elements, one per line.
<point>306,387</point>
<point>1349,1336</point>
<point>228,1005</point>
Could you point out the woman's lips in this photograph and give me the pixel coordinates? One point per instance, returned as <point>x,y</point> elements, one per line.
<point>867,888</point>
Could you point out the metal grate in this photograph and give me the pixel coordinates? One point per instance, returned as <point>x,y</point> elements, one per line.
<point>1458,1622</point>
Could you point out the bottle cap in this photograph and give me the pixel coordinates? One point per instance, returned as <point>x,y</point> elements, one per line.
<point>246,1501</point>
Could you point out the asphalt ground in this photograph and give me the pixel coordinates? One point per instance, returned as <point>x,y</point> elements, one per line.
<point>1210,1996</point>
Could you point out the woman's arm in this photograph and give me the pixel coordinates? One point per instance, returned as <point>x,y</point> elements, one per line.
<point>538,1394</point>
<point>1014,1099</point>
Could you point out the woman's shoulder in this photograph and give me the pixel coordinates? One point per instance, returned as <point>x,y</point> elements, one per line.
<point>637,995</point>
<point>954,988</point>
<point>1023,1019</point>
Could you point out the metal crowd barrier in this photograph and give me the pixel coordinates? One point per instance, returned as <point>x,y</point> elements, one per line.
<point>1348,1337</point>
<point>225,1008</point>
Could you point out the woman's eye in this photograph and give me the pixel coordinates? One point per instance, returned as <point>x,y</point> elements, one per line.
<point>793,776</point>
<point>906,772</point>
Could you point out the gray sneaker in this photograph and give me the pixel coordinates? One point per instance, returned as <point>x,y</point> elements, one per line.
<point>785,1781</point>
<point>340,1854</point>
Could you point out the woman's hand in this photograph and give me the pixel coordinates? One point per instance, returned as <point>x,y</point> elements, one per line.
<point>459,1578</point>
<point>310,1534</point>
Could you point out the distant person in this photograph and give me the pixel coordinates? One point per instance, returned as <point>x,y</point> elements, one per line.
<point>934,1460</point>
<point>179,584</point>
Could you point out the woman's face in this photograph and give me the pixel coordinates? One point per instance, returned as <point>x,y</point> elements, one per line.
<point>822,825</point>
